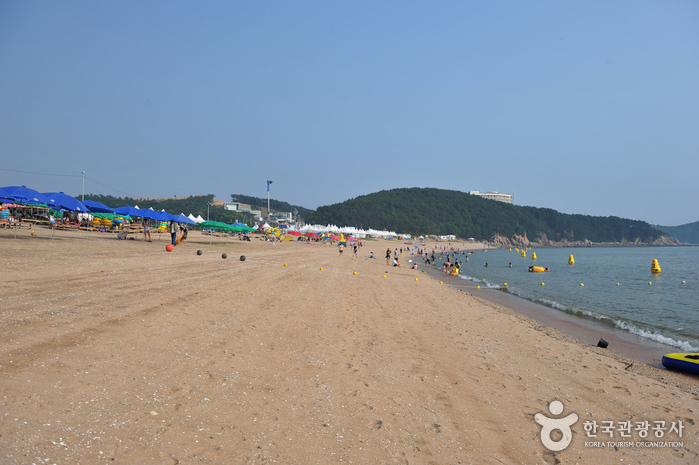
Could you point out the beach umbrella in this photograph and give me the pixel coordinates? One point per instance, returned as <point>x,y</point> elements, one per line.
<point>183,219</point>
<point>66,201</point>
<point>295,233</point>
<point>167,216</point>
<point>24,194</point>
<point>311,234</point>
<point>97,207</point>
<point>334,237</point>
<point>150,214</point>
<point>127,210</point>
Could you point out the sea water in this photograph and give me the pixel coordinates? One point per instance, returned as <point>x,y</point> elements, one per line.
<point>618,286</point>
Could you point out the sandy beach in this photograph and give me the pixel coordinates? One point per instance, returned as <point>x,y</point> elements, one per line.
<point>120,352</point>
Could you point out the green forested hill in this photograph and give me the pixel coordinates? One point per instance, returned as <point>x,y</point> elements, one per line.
<point>437,211</point>
<point>687,233</point>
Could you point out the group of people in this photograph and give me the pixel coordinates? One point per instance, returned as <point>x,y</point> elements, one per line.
<point>355,246</point>
<point>174,228</point>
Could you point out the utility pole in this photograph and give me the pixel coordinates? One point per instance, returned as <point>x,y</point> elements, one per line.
<point>268,183</point>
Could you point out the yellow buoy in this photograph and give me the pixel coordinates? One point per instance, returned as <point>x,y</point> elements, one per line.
<point>32,232</point>
<point>441,282</point>
<point>415,279</point>
<point>284,264</point>
<point>533,255</point>
<point>504,284</point>
<point>516,249</point>
<point>384,276</point>
<point>617,284</point>
<point>582,285</point>
<point>321,268</point>
<point>354,272</point>
<point>524,254</point>
<point>543,284</point>
<point>655,266</point>
<point>479,287</point>
<point>571,260</point>
<point>684,282</point>
<point>510,249</point>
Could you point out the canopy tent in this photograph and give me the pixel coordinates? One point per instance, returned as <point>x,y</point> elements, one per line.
<point>111,216</point>
<point>215,225</point>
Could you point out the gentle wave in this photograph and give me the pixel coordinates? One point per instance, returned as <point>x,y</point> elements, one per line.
<point>620,324</point>
<point>480,281</point>
<point>683,345</point>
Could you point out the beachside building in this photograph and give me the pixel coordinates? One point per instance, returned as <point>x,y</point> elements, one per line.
<point>282,217</point>
<point>500,197</point>
<point>237,207</point>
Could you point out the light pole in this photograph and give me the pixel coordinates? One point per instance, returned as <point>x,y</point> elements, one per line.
<point>268,183</point>
<point>83,186</point>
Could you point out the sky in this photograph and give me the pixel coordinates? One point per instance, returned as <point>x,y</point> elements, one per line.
<point>587,107</point>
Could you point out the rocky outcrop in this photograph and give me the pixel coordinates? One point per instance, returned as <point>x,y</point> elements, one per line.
<point>543,241</point>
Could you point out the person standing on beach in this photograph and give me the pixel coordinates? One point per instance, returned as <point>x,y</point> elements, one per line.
<point>173,232</point>
<point>341,248</point>
<point>183,230</point>
<point>388,256</point>
<point>146,230</point>
<point>355,251</point>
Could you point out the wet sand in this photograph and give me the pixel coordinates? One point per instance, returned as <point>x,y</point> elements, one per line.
<point>118,351</point>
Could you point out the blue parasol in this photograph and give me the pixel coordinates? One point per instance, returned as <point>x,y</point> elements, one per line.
<point>66,201</point>
<point>24,194</point>
<point>97,207</point>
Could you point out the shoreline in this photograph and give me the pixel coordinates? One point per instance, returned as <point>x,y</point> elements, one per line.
<point>586,331</point>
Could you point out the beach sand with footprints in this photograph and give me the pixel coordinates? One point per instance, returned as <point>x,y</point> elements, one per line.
<point>120,352</point>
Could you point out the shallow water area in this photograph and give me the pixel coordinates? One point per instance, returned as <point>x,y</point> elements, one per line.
<point>648,311</point>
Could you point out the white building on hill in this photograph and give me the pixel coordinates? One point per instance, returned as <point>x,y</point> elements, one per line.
<point>507,198</point>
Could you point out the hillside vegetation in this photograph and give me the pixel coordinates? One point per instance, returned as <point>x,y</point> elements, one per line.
<point>195,204</point>
<point>442,212</point>
<point>686,233</point>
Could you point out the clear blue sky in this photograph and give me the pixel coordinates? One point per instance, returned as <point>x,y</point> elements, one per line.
<point>585,107</point>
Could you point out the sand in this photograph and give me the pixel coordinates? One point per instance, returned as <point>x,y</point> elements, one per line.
<point>119,352</point>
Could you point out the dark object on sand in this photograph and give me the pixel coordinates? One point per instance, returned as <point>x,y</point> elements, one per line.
<point>199,252</point>
<point>602,343</point>
<point>224,256</point>
<point>242,258</point>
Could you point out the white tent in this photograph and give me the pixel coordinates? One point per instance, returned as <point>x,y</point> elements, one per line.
<point>199,219</point>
